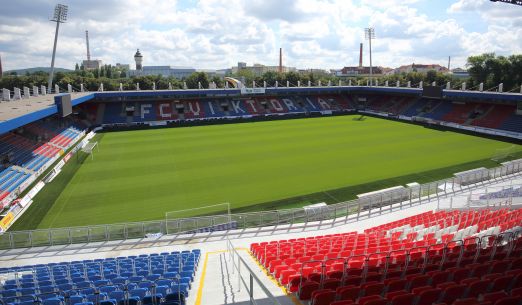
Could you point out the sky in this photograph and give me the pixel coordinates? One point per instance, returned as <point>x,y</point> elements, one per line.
<point>216,34</point>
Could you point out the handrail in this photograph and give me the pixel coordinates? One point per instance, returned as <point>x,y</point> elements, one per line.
<point>252,275</point>
<point>459,244</point>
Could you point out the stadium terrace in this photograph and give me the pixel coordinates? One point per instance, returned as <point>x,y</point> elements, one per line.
<point>334,195</point>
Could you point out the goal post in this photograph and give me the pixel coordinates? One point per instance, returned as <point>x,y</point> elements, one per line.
<point>197,218</point>
<point>89,148</point>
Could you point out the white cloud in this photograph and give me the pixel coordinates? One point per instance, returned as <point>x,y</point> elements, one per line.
<point>218,34</point>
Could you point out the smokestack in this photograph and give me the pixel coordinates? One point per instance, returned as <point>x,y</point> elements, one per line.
<point>1,71</point>
<point>449,62</point>
<point>88,50</point>
<point>360,55</point>
<point>280,60</point>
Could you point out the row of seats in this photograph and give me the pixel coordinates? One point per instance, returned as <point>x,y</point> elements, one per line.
<point>389,104</point>
<point>28,147</point>
<point>151,278</point>
<point>10,179</point>
<point>214,108</point>
<point>477,114</point>
<point>510,192</point>
<point>16,148</point>
<point>432,287</point>
<point>383,238</point>
<point>65,138</point>
<point>394,251</point>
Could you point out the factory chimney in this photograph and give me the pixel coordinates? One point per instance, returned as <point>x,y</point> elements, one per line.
<point>360,55</point>
<point>280,60</point>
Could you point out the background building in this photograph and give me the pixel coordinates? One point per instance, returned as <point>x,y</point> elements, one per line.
<point>92,64</point>
<point>358,71</point>
<point>165,71</point>
<point>259,69</point>
<point>460,73</point>
<point>419,68</point>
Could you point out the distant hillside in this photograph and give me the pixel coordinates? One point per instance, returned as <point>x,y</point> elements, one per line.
<point>32,70</point>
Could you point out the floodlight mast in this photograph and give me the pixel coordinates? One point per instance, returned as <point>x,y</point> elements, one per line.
<point>369,33</point>
<point>515,2</point>
<point>60,16</point>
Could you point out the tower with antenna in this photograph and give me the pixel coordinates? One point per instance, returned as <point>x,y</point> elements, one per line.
<point>138,58</point>
<point>90,64</point>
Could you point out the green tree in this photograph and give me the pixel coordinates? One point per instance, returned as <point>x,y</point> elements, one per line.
<point>431,76</point>
<point>245,75</point>
<point>108,71</point>
<point>195,78</point>
<point>478,66</point>
<point>270,77</point>
<point>217,80</point>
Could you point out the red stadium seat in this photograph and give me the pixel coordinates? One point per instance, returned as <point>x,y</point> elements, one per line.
<point>348,293</point>
<point>467,301</point>
<point>404,299</point>
<point>323,297</point>
<point>494,296</point>
<point>508,301</point>
<point>306,289</point>
<point>429,296</point>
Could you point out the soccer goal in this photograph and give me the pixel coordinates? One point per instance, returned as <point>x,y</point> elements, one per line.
<point>202,219</point>
<point>89,147</point>
<point>504,153</point>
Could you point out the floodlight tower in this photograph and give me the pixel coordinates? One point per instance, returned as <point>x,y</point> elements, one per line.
<point>60,16</point>
<point>515,2</point>
<point>369,33</point>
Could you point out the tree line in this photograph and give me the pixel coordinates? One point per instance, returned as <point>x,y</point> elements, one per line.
<point>485,68</point>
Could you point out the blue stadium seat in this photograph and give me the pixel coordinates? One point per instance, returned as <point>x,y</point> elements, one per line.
<point>130,301</point>
<point>117,295</point>
<point>107,289</point>
<point>53,301</point>
<point>151,300</point>
<point>175,298</point>
<point>96,298</point>
<point>139,293</point>
<point>10,293</point>
<point>74,299</point>
<point>162,290</point>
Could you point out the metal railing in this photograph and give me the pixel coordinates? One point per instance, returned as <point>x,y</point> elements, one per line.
<point>237,263</point>
<point>486,246</point>
<point>186,228</point>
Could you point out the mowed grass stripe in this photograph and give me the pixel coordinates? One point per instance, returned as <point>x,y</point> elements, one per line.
<point>139,175</point>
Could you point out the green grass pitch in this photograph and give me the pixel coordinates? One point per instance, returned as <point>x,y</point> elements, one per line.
<point>139,175</point>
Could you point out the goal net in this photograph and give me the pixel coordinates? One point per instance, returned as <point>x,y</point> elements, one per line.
<point>504,153</point>
<point>89,147</point>
<point>208,218</point>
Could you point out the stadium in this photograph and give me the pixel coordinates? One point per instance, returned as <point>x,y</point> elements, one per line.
<point>338,193</point>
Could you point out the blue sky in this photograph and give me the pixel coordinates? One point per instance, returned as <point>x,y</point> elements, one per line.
<point>214,34</point>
